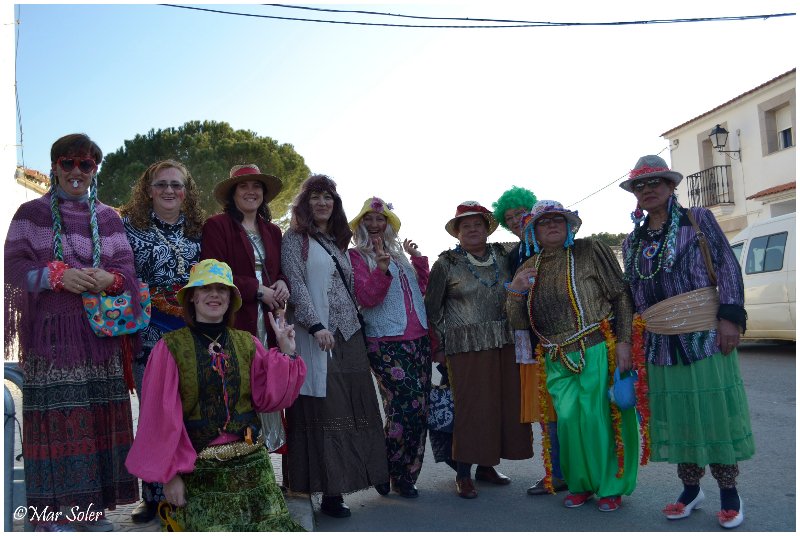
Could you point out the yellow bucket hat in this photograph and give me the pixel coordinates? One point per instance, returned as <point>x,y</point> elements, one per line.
<point>376,204</point>
<point>208,272</point>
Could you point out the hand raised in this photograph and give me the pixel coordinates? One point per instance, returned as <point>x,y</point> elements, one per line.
<point>284,333</point>
<point>381,257</point>
<point>411,248</point>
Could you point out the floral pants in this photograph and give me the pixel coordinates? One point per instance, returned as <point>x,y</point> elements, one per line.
<point>403,371</point>
<point>725,475</point>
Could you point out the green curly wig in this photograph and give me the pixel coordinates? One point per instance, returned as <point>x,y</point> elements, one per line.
<point>514,198</point>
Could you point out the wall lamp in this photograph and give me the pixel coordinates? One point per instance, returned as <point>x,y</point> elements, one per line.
<point>719,138</point>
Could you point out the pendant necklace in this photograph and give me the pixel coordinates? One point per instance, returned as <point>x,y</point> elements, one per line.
<point>219,364</point>
<point>181,267</point>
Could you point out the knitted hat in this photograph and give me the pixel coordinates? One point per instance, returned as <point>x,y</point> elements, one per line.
<point>208,272</point>
<point>547,207</point>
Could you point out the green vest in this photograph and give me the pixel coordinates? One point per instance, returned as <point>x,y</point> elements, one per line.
<point>201,389</point>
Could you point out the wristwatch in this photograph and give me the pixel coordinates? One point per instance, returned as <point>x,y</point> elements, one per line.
<point>259,295</point>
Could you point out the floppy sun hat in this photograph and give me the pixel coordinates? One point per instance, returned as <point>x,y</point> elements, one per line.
<point>208,272</point>
<point>650,166</point>
<point>247,172</point>
<point>376,204</point>
<point>471,208</point>
<point>547,207</point>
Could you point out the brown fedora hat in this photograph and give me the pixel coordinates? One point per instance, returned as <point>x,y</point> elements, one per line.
<point>247,172</point>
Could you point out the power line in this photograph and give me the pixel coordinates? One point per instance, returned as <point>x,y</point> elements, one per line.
<point>16,88</point>
<point>615,181</point>
<point>501,23</point>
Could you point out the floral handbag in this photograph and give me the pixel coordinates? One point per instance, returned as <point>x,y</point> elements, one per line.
<point>440,409</point>
<point>110,316</point>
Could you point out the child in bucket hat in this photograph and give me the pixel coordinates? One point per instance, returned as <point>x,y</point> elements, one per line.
<point>208,272</point>
<point>222,378</point>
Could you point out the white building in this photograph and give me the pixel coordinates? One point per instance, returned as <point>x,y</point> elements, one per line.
<point>28,184</point>
<point>753,175</point>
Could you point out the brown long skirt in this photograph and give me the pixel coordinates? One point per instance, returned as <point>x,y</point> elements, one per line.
<point>486,394</point>
<point>336,444</point>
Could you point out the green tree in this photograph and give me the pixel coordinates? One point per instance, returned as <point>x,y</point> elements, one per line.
<point>610,239</point>
<point>208,149</point>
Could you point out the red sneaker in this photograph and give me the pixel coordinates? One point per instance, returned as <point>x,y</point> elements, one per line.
<point>574,500</point>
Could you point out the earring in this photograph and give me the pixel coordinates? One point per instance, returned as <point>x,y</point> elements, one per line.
<point>637,216</point>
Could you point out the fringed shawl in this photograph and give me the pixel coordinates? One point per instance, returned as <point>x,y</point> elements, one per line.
<point>54,324</point>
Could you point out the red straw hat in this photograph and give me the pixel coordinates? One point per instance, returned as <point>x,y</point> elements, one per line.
<point>471,208</point>
<point>247,172</point>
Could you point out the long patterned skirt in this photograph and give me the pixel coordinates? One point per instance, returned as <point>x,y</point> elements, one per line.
<point>238,495</point>
<point>336,444</point>
<point>403,371</point>
<point>586,437</point>
<point>77,431</point>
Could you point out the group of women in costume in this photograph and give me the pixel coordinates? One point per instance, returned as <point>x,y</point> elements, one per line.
<point>246,323</point>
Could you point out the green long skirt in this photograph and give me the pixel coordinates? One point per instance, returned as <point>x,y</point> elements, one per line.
<point>699,412</point>
<point>588,454</point>
<point>238,495</point>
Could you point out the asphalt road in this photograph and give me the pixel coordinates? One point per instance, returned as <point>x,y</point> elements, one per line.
<point>767,482</point>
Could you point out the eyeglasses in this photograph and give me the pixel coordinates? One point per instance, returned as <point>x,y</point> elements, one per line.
<point>557,220</point>
<point>516,215</point>
<point>638,186</point>
<point>161,186</point>
<point>85,165</point>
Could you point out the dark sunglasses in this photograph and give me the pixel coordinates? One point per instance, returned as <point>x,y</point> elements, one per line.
<point>68,163</point>
<point>552,219</point>
<point>638,186</point>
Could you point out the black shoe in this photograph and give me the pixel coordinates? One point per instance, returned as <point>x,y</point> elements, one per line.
<point>539,489</point>
<point>144,512</point>
<point>405,489</point>
<point>334,507</point>
<point>382,489</point>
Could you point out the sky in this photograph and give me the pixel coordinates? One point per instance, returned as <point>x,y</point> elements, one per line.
<point>424,118</point>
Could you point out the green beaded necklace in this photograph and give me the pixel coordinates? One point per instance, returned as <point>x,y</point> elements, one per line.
<point>637,260</point>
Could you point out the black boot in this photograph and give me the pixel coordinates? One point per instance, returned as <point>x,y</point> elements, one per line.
<point>333,505</point>
<point>144,512</point>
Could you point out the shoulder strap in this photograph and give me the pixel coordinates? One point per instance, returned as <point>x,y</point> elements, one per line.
<point>701,238</point>
<point>338,269</point>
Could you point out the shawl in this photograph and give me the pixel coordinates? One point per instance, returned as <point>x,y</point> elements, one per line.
<point>54,324</point>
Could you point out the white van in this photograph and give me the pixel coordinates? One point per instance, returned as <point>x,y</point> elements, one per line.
<point>766,253</point>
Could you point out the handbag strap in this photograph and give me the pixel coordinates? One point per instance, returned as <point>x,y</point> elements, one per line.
<point>704,250</point>
<point>258,252</point>
<point>341,272</point>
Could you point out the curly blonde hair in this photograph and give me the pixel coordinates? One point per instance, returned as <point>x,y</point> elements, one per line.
<point>140,205</point>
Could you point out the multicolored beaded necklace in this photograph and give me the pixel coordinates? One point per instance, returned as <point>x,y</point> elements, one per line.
<point>472,261</point>
<point>662,248</point>
<point>219,364</point>
<point>581,328</point>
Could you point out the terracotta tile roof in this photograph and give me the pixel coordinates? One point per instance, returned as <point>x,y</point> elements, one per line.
<point>774,190</point>
<point>787,73</point>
